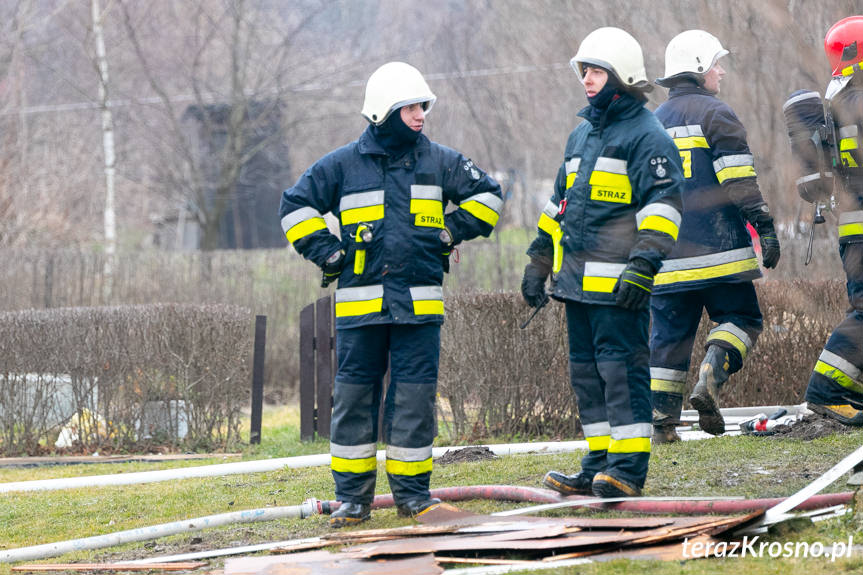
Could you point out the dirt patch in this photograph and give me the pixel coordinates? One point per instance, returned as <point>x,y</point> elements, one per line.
<point>473,453</point>
<point>810,427</point>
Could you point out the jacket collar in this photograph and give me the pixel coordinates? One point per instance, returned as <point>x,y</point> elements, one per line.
<point>687,88</point>
<point>368,144</point>
<point>622,108</point>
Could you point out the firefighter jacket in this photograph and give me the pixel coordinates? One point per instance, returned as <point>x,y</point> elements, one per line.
<point>845,103</point>
<point>616,197</point>
<point>714,245</point>
<point>397,276</point>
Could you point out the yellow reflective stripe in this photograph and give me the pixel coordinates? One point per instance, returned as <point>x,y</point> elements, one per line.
<point>727,269</point>
<point>358,215</point>
<point>664,385</point>
<point>354,308</point>
<point>660,224</point>
<point>396,467</point>
<point>552,228</point>
<point>598,284</point>
<point>598,443</point>
<point>481,212</point>
<point>434,207</point>
<point>732,172</point>
<point>848,144</point>
<point>729,337</point>
<point>610,187</point>
<point>852,229</point>
<point>429,221</point>
<point>632,445</point>
<point>691,142</point>
<point>570,179</point>
<point>353,465</point>
<point>428,307</point>
<point>305,228</point>
<point>838,376</point>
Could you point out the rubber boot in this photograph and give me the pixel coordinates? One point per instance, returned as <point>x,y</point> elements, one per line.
<point>350,514</point>
<point>666,416</point>
<point>578,484</point>
<point>705,395</point>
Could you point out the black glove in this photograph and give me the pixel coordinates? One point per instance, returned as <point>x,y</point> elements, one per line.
<point>332,268</point>
<point>635,284</point>
<point>769,249</point>
<point>533,282</point>
<point>447,242</point>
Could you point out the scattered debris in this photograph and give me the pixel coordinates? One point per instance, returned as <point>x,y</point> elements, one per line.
<point>472,453</point>
<point>810,427</point>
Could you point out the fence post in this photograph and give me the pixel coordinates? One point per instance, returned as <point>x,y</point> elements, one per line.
<point>258,377</point>
<point>307,372</point>
<point>323,358</point>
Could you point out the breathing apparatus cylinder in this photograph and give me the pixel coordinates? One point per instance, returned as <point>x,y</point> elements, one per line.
<point>811,141</point>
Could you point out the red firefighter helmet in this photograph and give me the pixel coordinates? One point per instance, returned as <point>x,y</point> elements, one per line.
<point>843,45</point>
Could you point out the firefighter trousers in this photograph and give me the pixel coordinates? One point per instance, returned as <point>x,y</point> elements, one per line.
<point>837,378</point>
<point>675,319</point>
<point>608,361</point>
<point>412,353</point>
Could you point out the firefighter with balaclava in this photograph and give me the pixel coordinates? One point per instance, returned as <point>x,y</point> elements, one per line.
<point>389,190</point>
<point>713,262</point>
<point>835,140</point>
<point>602,236</point>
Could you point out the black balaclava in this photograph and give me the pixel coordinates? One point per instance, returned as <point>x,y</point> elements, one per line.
<point>603,99</point>
<point>394,135</point>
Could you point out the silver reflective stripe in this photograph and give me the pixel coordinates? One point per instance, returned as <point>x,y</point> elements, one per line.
<point>813,177</point>
<point>685,131</point>
<point>841,364</point>
<point>610,165</point>
<point>733,330</point>
<point>848,131</point>
<point>361,451</point>
<point>551,209</point>
<point>800,98</point>
<point>658,209</point>
<point>363,200</point>
<point>851,217</point>
<point>603,269</point>
<point>426,293</point>
<point>733,161</point>
<point>298,216</point>
<point>572,165</point>
<point>667,374</point>
<point>409,453</point>
<point>596,429</point>
<point>696,262</point>
<point>363,293</point>
<point>490,201</point>
<point>426,192</point>
<point>632,431</point>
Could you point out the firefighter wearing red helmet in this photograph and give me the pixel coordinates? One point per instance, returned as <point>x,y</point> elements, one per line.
<point>836,385</point>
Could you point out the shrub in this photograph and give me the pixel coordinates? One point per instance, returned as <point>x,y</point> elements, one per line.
<point>498,379</point>
<point>120,370</point>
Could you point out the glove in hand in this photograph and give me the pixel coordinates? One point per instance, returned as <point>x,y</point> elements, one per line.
<point>635,284</point>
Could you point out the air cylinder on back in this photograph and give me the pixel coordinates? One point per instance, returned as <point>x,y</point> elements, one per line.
<point>810,145</point>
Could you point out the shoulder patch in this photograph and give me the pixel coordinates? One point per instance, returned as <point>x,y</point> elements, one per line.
<point>471,170</point>
<point>659,166</point>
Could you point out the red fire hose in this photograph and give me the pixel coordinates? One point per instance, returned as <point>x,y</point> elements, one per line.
<point>536,495</point>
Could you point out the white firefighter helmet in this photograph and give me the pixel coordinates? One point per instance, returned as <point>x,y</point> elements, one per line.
<point>691,53</point>
<point>392,86</point>
<point>615,50</point>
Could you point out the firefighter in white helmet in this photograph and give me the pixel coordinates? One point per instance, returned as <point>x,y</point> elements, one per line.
<point>713,263</point>
<point>389,190</point>
<point>602,236</point>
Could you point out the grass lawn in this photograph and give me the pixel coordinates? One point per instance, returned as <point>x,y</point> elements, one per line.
<point>747,466</point>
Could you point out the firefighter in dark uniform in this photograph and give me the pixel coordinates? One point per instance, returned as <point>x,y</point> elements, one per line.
<point>836,385</point>
<point>713,262</point>
<point>389,190</point>
<point>613,217</point>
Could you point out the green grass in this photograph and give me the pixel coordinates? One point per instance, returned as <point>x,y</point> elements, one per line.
<point>747,466</point>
